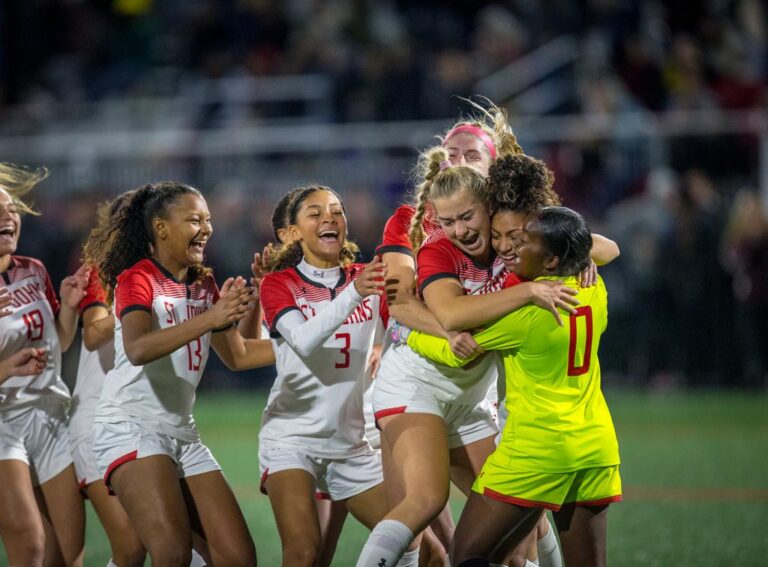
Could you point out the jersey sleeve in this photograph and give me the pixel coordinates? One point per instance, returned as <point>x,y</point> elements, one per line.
<point>276,300</point>
<point>395,237</point>
<point>133,293</point>
<point>511,281</point>
<point>509,332</point>
<point>435,262</point>
<point>94,293</point>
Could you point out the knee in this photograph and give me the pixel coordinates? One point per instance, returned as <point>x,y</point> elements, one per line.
<point>243,555</point>
<point>301,553</point>
<point>429,504</point>
<point>24,543</point>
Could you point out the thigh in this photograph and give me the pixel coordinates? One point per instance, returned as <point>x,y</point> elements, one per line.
<point>467,461</point>
<point>292,497</point>
<point>216,515</point>
<point>582,532</point>
<point>65,510</point>
<point>369,507</point>
<point>113,517</point>
<point>19,514</point>
<point>150,492</point>
<point>486,524</point>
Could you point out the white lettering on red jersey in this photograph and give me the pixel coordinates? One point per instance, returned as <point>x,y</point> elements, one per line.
<point>32,323</point>
<point>325,335</point>
<point>92,367</point>
<point>161,393</point>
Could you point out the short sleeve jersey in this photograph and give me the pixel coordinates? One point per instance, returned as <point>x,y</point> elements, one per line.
<point>559,420</point>
<point>32,323</point>
<point>316,402</point>
<point>160,393</point>
<point>395,237</point>
<point>92,367</point>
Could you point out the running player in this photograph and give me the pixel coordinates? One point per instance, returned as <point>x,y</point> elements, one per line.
<point>168,312</point>
<point>560,452</point>
<point>42,516</point>
<point>324,309</point>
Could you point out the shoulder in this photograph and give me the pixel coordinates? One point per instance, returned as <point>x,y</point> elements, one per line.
<point>403,214</point>
<point>29,265</point>
<point>281,278</point>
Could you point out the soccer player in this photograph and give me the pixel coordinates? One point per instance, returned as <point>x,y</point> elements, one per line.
<point>168,313</point>
<point>432,417</point>
<point>325,311</point>
<point>560,452</point>
<point>42,516</point>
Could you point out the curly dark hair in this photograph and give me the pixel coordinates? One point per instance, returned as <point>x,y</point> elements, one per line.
<point>291,254</point>
<point>100,237</point>
<point>565,234</point>
<point>130,237</point>
<point>521,183</point>
<point>280,212</point>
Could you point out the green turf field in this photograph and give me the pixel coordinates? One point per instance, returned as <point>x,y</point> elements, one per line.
<point>694,466</point>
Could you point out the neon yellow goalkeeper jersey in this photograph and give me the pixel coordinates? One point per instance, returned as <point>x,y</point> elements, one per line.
<point>558,419</point>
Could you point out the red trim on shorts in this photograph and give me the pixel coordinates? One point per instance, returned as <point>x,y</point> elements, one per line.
<point>262,481</point>
<point>519,501</point>
<point>116,463</point>
<point>602,501</point>
<point>389,411</point>
<point>322,496</point>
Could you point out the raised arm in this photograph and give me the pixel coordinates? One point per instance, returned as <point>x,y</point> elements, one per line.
<point>72,291</point>
<point>98,327</point>
<point>604,250</point>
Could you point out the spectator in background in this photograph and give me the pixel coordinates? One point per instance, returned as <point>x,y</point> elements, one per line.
<point>745,255</point>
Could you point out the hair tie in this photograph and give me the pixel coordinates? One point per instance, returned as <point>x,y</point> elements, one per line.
<point>475,131</point>
<point>445,164</point>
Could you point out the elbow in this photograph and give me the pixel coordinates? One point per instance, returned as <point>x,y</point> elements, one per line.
<point>137,356</point>
<point>450,322</point>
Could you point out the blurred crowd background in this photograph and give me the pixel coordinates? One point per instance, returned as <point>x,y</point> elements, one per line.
<point>652,115</point>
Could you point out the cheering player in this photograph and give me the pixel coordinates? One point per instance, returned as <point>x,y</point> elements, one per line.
<point>168,312</point>
<point>560,452</point>
<point>42,516</point>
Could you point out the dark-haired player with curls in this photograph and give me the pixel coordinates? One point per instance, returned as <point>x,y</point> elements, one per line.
<point>168,313</point>
<point>560,452</point>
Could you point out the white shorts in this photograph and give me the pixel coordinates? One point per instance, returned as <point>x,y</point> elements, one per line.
<point>85,461</point>
<point>117,443</point>
<point>39,438</point>
<point>336,479</point>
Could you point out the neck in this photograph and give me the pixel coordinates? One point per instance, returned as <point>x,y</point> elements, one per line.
<point>5,262</point>
<point>319,261</point>
<point>177,270</point>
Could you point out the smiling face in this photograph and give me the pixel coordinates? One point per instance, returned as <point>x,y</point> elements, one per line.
<point>10,225</point>
<point>181,237</point>
<point>506,235</point>
<point>321,227</point>
<point>467,149</point>
<point>533,258</point>
<point>465,222</point>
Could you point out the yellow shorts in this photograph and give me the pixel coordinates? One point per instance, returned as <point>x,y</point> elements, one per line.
<point>586,487</point>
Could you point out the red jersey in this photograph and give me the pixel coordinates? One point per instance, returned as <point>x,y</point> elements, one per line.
<point>395,237</point>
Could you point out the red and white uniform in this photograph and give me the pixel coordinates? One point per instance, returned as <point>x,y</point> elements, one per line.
<point>91,371</point>
<point>160,394</point>
<point>408,382</point>
<point>325,332</point>
<point>33,409</point>
<point>395,237</point>
<point>32,324</point>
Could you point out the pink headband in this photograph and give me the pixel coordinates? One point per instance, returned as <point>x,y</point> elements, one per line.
<point>475,131</point>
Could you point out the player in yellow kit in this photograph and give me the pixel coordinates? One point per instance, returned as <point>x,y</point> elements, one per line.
<point>558,450</point>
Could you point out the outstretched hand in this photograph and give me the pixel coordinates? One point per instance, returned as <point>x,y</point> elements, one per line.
<point>553,295</point>
<point>260,266</point>
<point>371,279</point>
<point>588,276</point>
<point>73,288</point>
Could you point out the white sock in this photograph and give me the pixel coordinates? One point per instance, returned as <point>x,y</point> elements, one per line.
<point>386,544</point>
<point>197,560</point>
<point>409,559</point>
<point>111,563</point>
<point>549,550</point>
